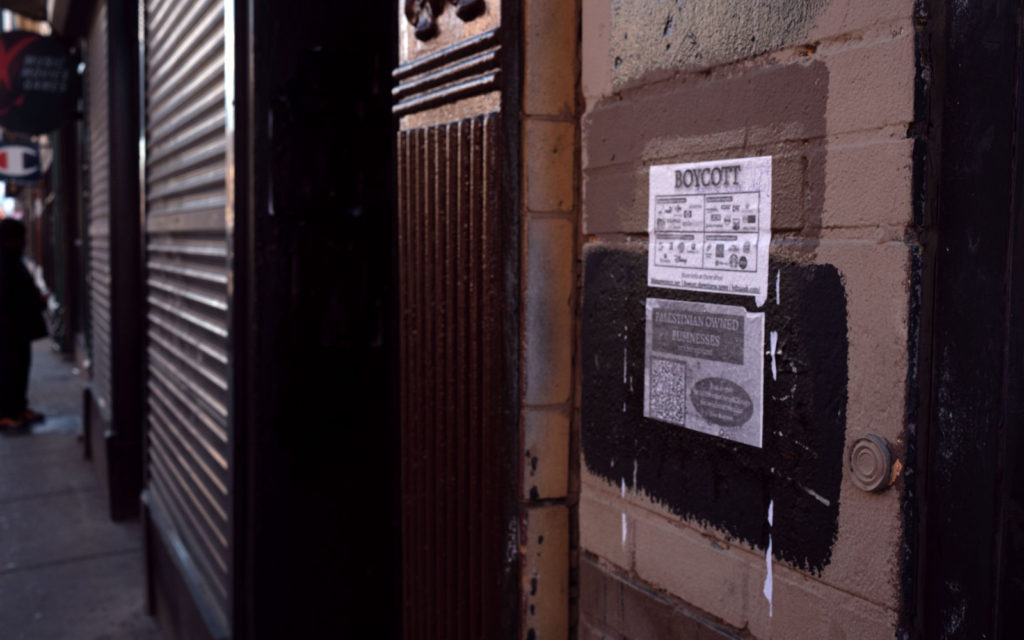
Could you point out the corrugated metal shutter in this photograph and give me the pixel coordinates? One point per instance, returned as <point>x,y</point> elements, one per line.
<point>97,88</point>
<point>187,282</point>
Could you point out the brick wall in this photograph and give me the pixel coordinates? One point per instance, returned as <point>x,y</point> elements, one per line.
<point>550,211</point>
<point>673,524</point>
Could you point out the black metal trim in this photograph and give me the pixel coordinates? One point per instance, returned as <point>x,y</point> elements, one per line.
<point>457,51</point>
<point>242,100</point>
<point>127,315</point>
<point>920,238</point>
<point>966,339</point>
<point>236,186</point>
<point>472,86</point>
<point>449,73</point>
<point>1009,622</point>
<point>510,37</point>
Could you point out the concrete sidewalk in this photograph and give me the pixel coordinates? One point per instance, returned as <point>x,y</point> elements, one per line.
<point>66,570</point>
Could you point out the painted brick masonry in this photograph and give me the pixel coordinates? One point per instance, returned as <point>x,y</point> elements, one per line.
<point>829,93</point>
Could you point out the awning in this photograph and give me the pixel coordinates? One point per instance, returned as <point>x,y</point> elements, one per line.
<point>34,9</point>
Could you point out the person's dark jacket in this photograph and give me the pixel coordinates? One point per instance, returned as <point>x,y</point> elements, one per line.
<point>21,304</point>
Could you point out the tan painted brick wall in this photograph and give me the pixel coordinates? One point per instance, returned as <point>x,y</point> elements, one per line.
<point>550,233</point>
<point>841,196</point>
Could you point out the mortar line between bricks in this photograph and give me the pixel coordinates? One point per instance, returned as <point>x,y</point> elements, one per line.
<point>66,561</point>
<point>544,502</point>
<point>559,215</point>
<point>855,39</point>
<point>540,117</point>
<point>637,581</point>
<point>550,406</point>
<point>47,494</point>
<point>837,140</point>
<point>755,555</point>
<point>779,239</point>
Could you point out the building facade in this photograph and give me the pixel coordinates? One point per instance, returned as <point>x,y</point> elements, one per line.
<point>392,328</point>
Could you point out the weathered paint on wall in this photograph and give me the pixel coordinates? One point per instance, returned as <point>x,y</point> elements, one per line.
<point>678,35</point>
<point>827,89</point>
<point>707,479</point>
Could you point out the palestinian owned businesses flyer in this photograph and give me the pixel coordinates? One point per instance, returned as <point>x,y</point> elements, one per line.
<point>704,368</point>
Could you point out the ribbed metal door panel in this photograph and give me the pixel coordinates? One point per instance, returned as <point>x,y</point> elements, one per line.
<point>97,95</point>
<point>451,292</point>
<point>187,284</point>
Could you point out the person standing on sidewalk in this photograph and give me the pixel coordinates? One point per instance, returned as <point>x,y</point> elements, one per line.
<point>21,322</point>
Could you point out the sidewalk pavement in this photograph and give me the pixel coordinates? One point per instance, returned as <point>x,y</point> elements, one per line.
<point>66,570</point>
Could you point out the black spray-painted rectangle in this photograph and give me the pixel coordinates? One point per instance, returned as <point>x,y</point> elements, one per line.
<point>701,477</point>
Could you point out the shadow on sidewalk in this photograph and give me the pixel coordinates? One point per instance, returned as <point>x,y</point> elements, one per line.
<point>66,570</point>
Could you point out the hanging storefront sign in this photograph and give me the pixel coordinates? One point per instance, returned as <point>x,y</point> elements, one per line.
<point>20,162</point>
<point>38,82</point>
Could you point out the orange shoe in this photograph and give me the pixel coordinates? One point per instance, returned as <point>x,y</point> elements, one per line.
<point>9,423</point>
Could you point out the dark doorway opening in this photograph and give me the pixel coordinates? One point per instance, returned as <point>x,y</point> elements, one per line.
<point>317,417</point>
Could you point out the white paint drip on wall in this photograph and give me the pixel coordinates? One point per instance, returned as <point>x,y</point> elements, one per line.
<point>774,337</point>
<point>625,367</point>
<point>768,561</point>
<point>625,524</point>
<point>811,492</point>
<point>817,496</point>
<point>803,446</point>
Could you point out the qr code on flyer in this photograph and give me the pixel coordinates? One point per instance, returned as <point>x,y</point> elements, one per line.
<point>667,391</point>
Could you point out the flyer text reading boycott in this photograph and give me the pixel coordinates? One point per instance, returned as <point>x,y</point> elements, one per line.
<point>708,177</point>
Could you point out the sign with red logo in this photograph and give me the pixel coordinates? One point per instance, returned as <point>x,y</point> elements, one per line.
<point>39,82</point>
<point>19,162</point>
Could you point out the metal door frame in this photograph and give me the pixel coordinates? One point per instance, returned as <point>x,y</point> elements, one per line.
<point>969,163</point>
